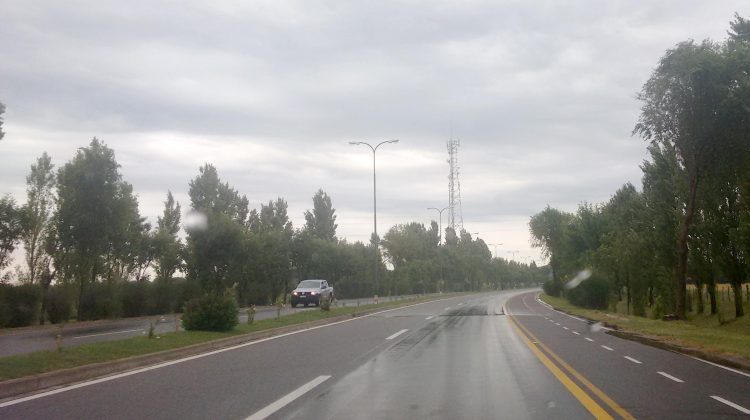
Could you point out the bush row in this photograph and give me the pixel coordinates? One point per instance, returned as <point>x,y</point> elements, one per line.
<point>21,305</point>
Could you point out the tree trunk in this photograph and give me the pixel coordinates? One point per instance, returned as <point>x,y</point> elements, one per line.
<point>701,304</point>
<point>712,296</point>
<point>682,247</point>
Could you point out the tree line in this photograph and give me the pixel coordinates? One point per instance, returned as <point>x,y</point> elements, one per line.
<point>690,222</point>
<point>90,254</point>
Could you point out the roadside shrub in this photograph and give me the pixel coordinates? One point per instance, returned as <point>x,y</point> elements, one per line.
<point>592,293</point>
<point>135,298</point>
<point>212,312</point>
<point>550,289</point>
<point>19,305</point>
<point>58,304</point>
<point>98,301</point>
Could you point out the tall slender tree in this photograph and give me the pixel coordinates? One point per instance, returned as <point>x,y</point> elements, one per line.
<point>37,212</point>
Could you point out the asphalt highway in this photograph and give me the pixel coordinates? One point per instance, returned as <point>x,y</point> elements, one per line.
<point>500,355</point>
<point>27,340</point>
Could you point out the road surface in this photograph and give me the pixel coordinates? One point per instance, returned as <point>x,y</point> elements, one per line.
<point>27,340</point>
<point>501,355</point>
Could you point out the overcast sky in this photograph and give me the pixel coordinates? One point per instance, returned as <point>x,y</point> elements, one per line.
<point>541,95</point>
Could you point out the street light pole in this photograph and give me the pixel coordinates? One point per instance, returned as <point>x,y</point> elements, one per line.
<point>374,201</point>
<point>514,253</point>
<point>440,212</point>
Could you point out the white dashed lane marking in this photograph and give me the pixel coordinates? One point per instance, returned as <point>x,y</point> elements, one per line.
<point>607,348</point>
<point>633,360</point>
<point>668,376</point>
<point>731,404</point>
<point>396,334</point>
<point>588,339</point>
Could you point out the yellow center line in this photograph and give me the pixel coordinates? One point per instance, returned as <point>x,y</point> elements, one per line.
<point>596,391</point>
<point>595,409</point>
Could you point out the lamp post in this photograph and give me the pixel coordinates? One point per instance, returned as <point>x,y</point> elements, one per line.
<point>440,212</point>
<point>514,253</point>
<point>374,200</point>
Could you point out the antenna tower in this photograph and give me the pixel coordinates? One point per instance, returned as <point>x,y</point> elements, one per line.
<point>455,218</point>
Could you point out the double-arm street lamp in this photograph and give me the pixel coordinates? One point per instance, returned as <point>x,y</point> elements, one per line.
<point>514,253</point>
<point>440,212</point>
<point>374,199</point>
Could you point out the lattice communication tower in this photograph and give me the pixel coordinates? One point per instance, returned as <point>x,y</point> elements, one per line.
<point>455,218</point>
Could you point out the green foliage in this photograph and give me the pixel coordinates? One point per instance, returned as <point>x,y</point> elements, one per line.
<point>36,215</point>
<point>550,288</point>
<point>212,312</point>
<point>11,227</point>
<point>19,305</point>
<point>321,221</point>
<point>98,301</point>
<point>2,111</point>
<point>58,304</point>
<point>592,293</point>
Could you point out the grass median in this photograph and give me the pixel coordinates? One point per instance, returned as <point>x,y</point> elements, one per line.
<point>701,332</point>
<point>46,361</point>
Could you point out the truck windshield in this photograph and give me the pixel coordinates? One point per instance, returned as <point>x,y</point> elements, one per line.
<point>309,284</point>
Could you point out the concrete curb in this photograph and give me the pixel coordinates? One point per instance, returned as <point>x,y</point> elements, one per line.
<point>44,381</point>
<point>735,362</point>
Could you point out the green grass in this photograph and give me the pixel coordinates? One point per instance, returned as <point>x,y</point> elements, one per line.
<point>700,331</point>
<point>46,361</point>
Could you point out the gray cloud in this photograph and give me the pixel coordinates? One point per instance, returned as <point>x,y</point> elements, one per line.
<point>541,94</point>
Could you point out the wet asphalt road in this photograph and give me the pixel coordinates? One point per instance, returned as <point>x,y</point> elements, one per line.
<point>501,355</point>
<point>27,340</point>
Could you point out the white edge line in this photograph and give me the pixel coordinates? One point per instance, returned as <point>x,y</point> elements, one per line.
<point>288,398</point>
<point>107,333</point>
<point>718,365</point>
<point>560,312</point>
<point>607,348</point>
<point>396,334</point>
<point>739,372</point>
<point>666,375</point>
<point>731,404</point>
<point>197,356</point>
<point>633,360</point>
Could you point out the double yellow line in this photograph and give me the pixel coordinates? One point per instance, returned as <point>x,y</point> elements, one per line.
<point>541,352</point>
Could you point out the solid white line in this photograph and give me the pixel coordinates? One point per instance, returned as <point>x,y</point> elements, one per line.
<point>719,366</point>
<point>566,328</point>
<point>197,356</point>
<point>430,317</point>
<point>666,375</point>
<point>731,404</point>
<point>559,312</point>
<point>633,360</point>
<point>288,398</point>
<point>396,334</point>
<point>607,348</point>
<point>576,333</point>
<point>114,332</point>
<point>589,339</point>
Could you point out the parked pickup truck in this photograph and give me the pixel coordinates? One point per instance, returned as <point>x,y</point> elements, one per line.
<point>311,291</point>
